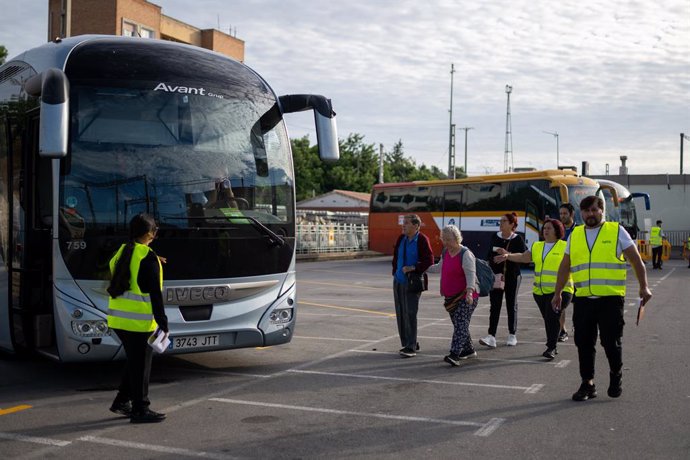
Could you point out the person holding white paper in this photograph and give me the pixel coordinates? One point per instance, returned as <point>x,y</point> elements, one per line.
<point>595,255</point>
<point>135,310</point>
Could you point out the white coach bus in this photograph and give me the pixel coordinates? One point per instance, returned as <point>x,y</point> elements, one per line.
<point>95,129</point>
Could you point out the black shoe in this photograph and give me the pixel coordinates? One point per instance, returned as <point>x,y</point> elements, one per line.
<point>467,354</point>
<point>122,408</point>
<point>146,416</point>
<point>452,359</point>
<point>615,387</point>
<point>563,336</point>
<point>407,353</point>
<point>417,347</point>
<point>585,392</point>
<point>550,353</point>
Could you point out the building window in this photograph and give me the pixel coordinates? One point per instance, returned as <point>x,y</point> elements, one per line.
<point>147,33</point>
<point>132,29</point>
<point>129,29</point>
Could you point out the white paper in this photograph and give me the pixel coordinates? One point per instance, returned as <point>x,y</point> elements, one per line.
<point>159,341</point>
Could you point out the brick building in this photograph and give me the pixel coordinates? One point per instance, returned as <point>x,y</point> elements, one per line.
<point>137,18</point>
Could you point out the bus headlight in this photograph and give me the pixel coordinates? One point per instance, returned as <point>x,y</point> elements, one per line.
<point>98,328</point>
<point>281,316</point>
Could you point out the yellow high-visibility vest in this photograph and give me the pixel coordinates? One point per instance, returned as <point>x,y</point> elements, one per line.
<point>599,272</point>
<point>132,311</point>
<point>655,236</point>
<point>546,268</point>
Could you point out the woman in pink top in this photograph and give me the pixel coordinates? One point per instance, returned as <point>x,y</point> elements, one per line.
<point>459,289</point>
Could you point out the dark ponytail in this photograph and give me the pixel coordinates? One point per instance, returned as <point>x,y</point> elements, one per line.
<point>140,225</point>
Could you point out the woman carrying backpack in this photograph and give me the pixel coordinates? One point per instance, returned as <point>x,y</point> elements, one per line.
<point>547,256</point>
<point>460,292</point>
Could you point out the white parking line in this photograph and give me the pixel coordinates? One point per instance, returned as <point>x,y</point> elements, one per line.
<point>529,389</point>
<point>485,429</point>
<point>34,439</point>
<point>153,447</point>
<point>480,358</point>
<point>663,278</point>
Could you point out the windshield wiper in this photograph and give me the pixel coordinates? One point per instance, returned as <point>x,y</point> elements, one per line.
<point>275,239</point>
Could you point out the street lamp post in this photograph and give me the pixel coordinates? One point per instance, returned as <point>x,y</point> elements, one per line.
<point>558,159</point>
<point>466,128</point>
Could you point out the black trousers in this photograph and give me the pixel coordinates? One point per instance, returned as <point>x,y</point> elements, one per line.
<point>552,320</point>
<point>512,285</point>
<point>135,380</point>
<point>656,256</point>
<point>406,307</point>
<point>605,315</point>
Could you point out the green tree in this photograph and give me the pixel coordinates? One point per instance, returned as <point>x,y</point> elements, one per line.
<point>357,169</point>
<point>3,54</point>
<point>309,171</point>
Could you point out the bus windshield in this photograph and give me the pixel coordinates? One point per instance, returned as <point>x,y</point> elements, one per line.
<point>576,193</point>
<point>197,159</point>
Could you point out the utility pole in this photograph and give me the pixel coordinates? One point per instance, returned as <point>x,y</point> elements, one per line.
<point>682,136</point>
<point>466,128</point>
<point>558,159</point>
<point>509,135</point>
<point>380,163</point>
<point>451,134</point>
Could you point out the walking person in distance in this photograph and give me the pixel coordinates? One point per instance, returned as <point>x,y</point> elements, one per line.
<point>412,254</point>
<point>459,290</point>
<point>546,256</point>
<point>135,309</point>
<point>509,273</point>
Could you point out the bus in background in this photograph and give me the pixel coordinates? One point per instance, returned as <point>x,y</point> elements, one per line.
<point>95,129</point>
<point>625,212</point>
<point>475,204</point>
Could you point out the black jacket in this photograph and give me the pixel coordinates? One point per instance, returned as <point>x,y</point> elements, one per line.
<point>516,244</point>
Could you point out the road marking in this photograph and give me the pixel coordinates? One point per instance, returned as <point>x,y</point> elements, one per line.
<point>481,358</point>
<point>348,286</point>
<point>34,439</point>
<point>663,278</point>
<point>562,363</point>
<point>529,389</point>
<point>14,409</point>
<point>152,447</point>
<point>337,307</point>
<point>330,338</point>
<point>485,429</point>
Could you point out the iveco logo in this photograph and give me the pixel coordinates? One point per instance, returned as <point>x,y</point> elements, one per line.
<point>197,295</point>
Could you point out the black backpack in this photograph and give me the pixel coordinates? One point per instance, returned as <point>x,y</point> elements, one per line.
<point>485,276</point>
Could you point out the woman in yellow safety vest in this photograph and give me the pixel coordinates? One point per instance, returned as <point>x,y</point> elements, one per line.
<point>547,256</point>
<point>135,309</point>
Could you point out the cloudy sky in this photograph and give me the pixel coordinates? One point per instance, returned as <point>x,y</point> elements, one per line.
<point>611,77</point>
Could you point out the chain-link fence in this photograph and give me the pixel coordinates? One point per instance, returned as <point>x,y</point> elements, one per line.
<point>331,237</point>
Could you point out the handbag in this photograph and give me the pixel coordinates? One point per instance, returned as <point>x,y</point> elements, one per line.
<point>500,278</point>
<point>415,281</point>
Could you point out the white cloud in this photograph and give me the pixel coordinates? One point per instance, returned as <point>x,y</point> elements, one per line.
<point>611,76</point>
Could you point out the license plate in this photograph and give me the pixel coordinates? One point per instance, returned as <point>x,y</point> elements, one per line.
<point>194,341</point>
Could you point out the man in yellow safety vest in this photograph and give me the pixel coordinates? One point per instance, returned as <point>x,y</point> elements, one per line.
<point>656,241</point>
<point>594,257</point>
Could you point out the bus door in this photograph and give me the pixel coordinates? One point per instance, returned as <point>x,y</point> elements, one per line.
<point>531,225</point>
<point>29,249</point>
<point>452,206</point>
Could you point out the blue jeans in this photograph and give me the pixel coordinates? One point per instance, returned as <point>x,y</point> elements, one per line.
<point>406,306</point>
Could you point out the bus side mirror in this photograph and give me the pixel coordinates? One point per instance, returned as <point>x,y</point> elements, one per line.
<point>324,118</point>
<point>53,88</point>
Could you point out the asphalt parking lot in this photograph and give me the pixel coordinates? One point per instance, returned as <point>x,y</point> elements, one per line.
<point>340,389</point>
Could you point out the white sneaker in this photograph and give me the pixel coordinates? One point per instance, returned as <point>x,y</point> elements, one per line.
<point>489,341</point>
<point>512,340</point>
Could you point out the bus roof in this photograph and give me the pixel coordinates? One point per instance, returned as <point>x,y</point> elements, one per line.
<point>566,177</point>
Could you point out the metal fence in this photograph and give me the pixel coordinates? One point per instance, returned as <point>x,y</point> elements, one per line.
<point>676,238</point>
<point>331,237</point>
